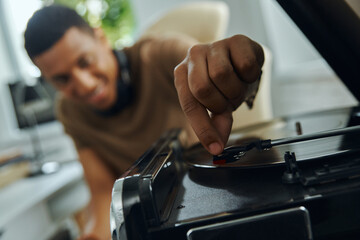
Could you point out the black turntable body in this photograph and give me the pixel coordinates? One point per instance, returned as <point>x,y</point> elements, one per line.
<point>295,177</point>
<point>173,193</point>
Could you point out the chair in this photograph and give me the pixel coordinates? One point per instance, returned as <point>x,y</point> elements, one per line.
<point>207,21</point>
<point>204,21</point>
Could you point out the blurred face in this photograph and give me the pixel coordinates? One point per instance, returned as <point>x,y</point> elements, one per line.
<point>82,67</point>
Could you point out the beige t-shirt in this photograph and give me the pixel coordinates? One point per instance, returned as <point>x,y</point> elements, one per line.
<point>121,139</point>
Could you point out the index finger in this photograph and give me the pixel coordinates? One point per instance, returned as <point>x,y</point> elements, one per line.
<point>196,113</point>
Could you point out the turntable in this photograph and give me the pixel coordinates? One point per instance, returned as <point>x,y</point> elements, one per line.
<point>295,177</point>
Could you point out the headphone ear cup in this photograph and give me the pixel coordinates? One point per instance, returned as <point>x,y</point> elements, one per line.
<point>124,94</point>
<point>124,88</point>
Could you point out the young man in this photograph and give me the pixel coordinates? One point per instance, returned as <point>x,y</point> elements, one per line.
<point>115,104</point>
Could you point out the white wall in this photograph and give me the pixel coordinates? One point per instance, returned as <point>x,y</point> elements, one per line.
<point>6,71</point>
<point>17,18</point>
<point>288,43</point>
<point>245,16</point>
<point>9,131</point>
<point>7,116</point>
<point>302,80</point>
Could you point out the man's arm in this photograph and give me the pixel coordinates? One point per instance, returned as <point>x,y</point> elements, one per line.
<point>167,50</point>
<point>217,77</point>
<point>100,181</point>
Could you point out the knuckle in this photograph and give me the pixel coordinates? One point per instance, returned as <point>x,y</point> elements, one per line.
<point>179,71</point>
<point>220,72</point>
<point>241,38</point>
<point>195,50</point>
<point>201,91</point>
<point>247,67</point>
<point>247,64</point>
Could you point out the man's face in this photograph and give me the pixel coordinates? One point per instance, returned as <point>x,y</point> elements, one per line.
<point>82,67</point>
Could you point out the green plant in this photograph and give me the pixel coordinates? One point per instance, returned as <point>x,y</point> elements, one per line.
<point>115,17</point>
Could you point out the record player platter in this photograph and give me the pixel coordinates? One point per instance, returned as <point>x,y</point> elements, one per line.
<point>286,128</point>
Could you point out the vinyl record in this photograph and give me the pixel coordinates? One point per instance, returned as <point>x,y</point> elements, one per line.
<point>197,156</point>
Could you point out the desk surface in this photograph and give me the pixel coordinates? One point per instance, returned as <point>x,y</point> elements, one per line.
<point>24,194</point>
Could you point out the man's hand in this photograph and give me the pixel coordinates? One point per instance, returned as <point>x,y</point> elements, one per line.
<point>217,78</point>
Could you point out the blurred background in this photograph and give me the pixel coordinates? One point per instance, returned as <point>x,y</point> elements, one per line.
<point>300,80</point>
<point>296,65</point>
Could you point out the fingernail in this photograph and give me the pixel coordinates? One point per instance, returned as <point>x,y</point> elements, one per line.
<point>215,148</point>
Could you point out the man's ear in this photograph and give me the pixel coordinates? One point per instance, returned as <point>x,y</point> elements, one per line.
<point>100,35</point>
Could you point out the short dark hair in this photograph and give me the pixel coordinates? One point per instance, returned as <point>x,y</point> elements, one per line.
<point>48,25</point>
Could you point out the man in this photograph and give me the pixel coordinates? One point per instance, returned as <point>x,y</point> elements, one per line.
<point>115,104</point>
